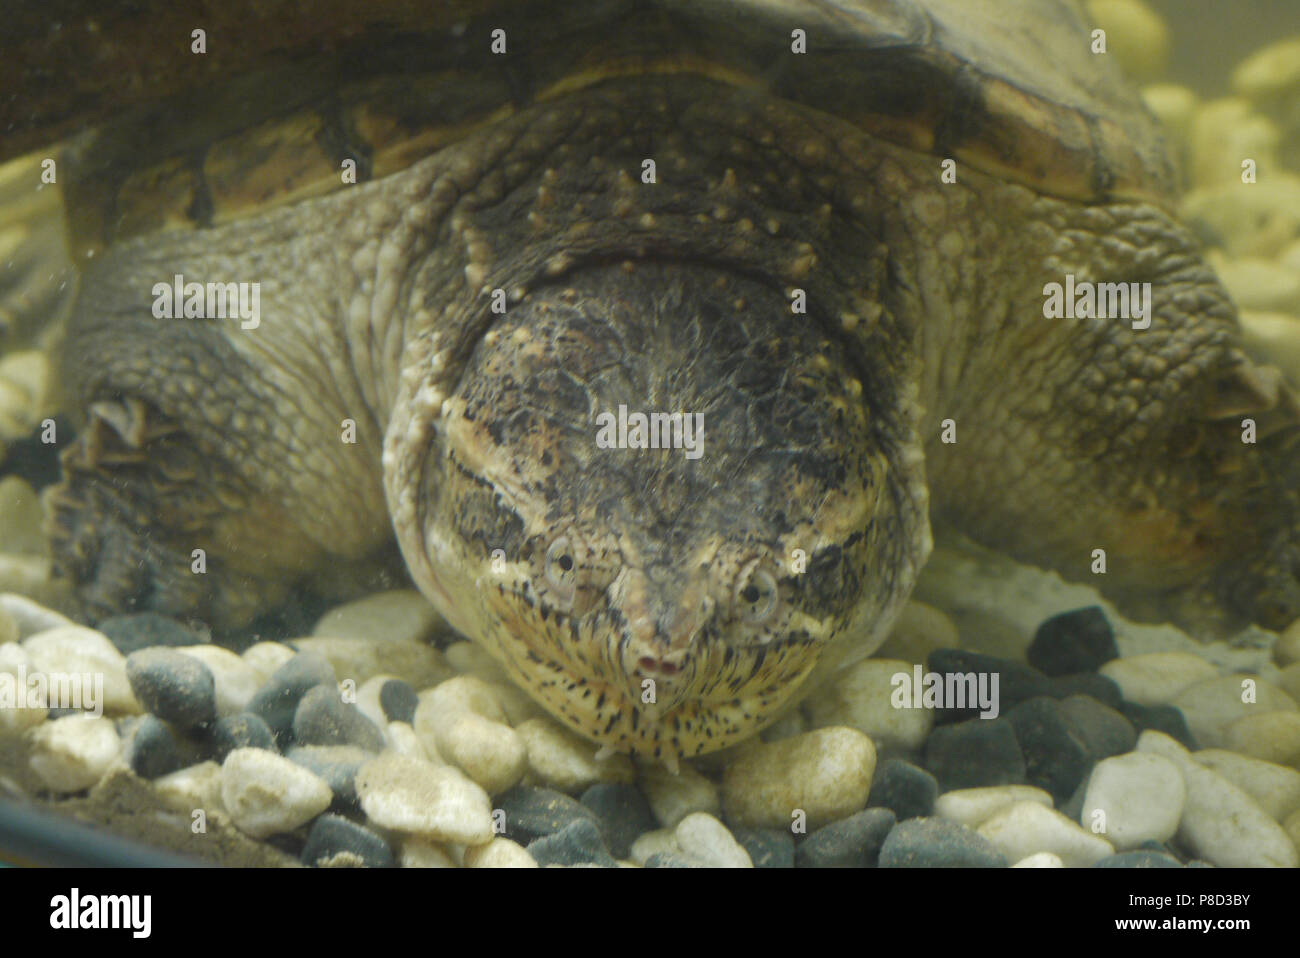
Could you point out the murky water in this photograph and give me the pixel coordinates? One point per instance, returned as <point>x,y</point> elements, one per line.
<point>1220,118</point>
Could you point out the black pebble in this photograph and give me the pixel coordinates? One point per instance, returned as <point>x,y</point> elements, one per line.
<point>532,813</point>
<point>1160,718</point>
<point>244,730</point>
<point>1137,859</point>
<point>578,843</point>
<point>1017,682</point>
<point>907,791</point>
<point>332,834</point>
<point>1100,687</point>
<point>938,843</point>
<point>1056,754</point>
<point>1105,731</point>
<point>852,842</point>
<point>145,630</point>
<point>277,700</point>
<point>974,753</point>
<point>1077,641</point>
<point>398,700</point>
<point>323,718</point>
<point>173,686</point>
<point>339,771</point>
<point>767,847</point>
<point>623,813</point>
<point>151,749</point>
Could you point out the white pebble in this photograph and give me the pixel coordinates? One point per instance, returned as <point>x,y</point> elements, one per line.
<point>266,657</point>
<point>826,774</point>
<point>19,708</point>
<point>74,752</point>
<point>499,853</point>
<point>420,853</point>
<point>470,658</point>
<point>1040,860</point>
<point>195,787</point>
<point>673,797</point>
<point>862,698</point>
<point>76,650</point>
<point>649,844</point>
<point>32,617</point>
<point>972,807</point>
<point>9,632</point>
<point>1272,736</point>
<point>1221,823</point>
<point>703,837</point>
<point>235,679</point>
<point>918,631</point>
<point>368,698</point>
<point>1156,677</point>
<point>466,726</point>
<point>359,659</point>
<point>566,761</point>
<point>401,738</point>
<point>435,801</point>
<point>1027,827</point>
<point>1211,706</point>
<point>1135,797</point>
<point>1275,788</point>
<point>266,794</point>
<point>396,615</point>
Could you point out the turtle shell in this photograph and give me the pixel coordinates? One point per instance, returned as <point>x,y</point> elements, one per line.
<point>285,97</point>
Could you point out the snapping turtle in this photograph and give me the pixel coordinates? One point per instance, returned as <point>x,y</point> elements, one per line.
<point>658,335</point>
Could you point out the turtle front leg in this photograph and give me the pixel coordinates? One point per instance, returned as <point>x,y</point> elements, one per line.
<point>143,521</point>
<point>1146,456</point>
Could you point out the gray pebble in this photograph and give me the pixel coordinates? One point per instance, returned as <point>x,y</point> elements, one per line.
<point>1080,640</point>
<point>150,748</point>
<point>623,813</point>
<point>332,836</point>
<point>578,843</point>
<point>173,686</point>
<point>277,700</point>
<point>974,753</point>
<point>531,813</point>
<point>244,730</point>
<point>672,860</point>
<point>398,700</point>
<point>146,630</point>
<point>938,843</point>
<point>338,766</point>
<point>852,842</point>
<point>323,718</point>
<point>1138,859</point>
<point>907,791</point>
<point>1104,730</point>
<point>1056,754</point>
<point>767,847</point>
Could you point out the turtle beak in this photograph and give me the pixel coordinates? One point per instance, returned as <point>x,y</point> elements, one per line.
<point>658,644</point>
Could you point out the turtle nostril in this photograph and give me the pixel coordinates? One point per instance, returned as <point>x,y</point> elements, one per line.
<point>651,664</point>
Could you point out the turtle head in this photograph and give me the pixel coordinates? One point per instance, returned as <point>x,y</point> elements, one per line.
<point>659,500</point>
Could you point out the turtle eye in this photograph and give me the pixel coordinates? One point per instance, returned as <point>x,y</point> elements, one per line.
<point>562,568</point>
<point>755,595</point>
